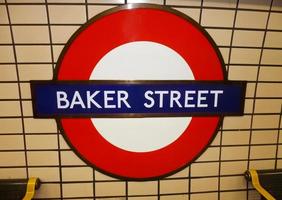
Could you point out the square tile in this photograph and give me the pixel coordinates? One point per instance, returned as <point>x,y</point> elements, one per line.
<point>8,73</point>
<point>5,35</point>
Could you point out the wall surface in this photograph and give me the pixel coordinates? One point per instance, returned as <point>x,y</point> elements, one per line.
<point>249,35</point>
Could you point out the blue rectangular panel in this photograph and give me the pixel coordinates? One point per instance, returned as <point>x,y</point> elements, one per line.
<point>137,98</point>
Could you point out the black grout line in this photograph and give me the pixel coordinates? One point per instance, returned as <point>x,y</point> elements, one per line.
<point>126,190</point>
<point>53,67</point>
<point>227,72</point>
<point>61,4</point>
<point>63,43</point>
<point>278,138</point>
<point>201,12</point>
<point>93,170</point>
<point>182,178</point>
<point>248,81</point>
<point>219,46</point>
<point>258,72</point>
<point>117,4</point>
<point>255,93</point>
<point>126,182</point>
<point>19,90</point>
<point>200,22</point>
<point>224,8</point>
<point>205,27</point>
<point>31,116</point>
<point>50,63</point>
<point>231,64</point>
<point>118,181</point>
<point>225,130</point>
<point>147,195</point>
<point>68,149</point>
<point>189,180</point>
<point>241,29</point>
<point>159,189</point>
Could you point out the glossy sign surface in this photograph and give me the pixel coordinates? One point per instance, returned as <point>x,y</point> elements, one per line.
<point>137,99</point>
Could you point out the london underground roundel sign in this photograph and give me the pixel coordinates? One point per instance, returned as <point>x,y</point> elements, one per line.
<point>139,92</point>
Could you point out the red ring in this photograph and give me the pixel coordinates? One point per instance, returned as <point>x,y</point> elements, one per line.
<point>111,30</point>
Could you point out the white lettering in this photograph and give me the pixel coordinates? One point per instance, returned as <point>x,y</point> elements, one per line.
<point>149,98</point>
<point>122,97</point>
<point>62,101</point>
<point>188,98</point>
<point>200,103</point>
<point>90,99</point>
<point>174,97</point>
<point>108,98</point>
<point>216,93</point>
<point>161,96</point>
<point>76,100</point>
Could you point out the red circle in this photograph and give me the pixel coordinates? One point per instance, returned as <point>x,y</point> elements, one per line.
<point>141,23</point>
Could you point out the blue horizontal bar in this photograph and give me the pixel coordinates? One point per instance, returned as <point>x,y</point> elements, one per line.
<point>137,98</point>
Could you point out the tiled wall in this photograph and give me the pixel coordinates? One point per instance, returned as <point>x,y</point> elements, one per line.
<point>249,35</point>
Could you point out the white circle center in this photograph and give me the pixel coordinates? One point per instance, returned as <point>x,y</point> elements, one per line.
<point>141,61</point>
